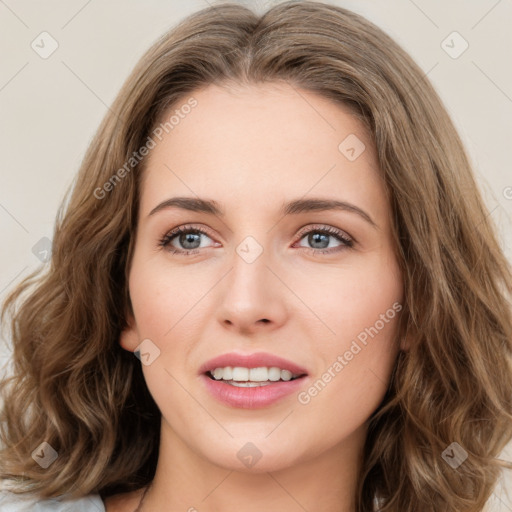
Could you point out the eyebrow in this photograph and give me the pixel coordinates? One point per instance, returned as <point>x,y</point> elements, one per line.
<point>195,204</point>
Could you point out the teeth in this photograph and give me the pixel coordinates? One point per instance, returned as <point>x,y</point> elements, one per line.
<point>261,374</point>
<point>247,384</point>
<point>241,374</point>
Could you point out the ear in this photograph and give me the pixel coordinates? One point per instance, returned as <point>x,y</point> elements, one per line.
<point>406,340</point>
<point>405,337</point>
<point>129,337</point>
<point>405,343</point>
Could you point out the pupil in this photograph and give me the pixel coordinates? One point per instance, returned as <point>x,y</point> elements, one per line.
<point>188,238</point>
<point>315,238</point>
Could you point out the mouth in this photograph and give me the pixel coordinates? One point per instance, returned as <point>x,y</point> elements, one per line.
<point>252,388</point>
<point>252,377</point>
<point>252,381</point>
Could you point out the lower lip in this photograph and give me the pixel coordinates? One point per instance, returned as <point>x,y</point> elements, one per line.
<point>254,397</point>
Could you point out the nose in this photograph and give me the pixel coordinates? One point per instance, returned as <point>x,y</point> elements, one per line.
<point>252,297</point>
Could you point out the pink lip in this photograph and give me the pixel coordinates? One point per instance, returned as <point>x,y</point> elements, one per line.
<point>251,398</point>
<point>256,360</point>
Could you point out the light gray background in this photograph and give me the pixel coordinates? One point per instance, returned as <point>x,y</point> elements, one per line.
<point>50,108</point>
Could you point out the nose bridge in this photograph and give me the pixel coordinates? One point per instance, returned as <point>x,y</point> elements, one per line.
<point>251,292</point>
<point>249,275</point>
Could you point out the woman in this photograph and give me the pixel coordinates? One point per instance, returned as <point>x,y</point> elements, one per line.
<point>369,372</point>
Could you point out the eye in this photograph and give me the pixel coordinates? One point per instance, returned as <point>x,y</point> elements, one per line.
<point>187,236</point>
<point>190,239</point>
<point>318,237</point>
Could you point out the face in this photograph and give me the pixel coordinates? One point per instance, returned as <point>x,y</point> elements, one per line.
<point>317,286</point>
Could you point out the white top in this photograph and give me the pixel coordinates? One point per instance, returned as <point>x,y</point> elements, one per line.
<point>11,502</point>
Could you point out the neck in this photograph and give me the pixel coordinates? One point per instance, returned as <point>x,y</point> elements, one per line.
<point>187,480</point>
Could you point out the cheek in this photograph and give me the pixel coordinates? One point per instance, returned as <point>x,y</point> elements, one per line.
<point>345,300</point>
<point>160,296</point>
<point>168,311</point>
<point>354,373</point>
<point>360,310</point>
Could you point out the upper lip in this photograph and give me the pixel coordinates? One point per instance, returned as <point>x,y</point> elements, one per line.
<point>255,360</point>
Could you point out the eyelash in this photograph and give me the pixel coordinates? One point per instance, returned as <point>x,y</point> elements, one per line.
<point>346,241</point>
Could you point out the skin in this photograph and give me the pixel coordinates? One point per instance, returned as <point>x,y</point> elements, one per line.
<point>252,148</point>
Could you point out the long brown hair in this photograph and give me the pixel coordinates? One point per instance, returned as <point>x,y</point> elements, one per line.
<point>75,388</point>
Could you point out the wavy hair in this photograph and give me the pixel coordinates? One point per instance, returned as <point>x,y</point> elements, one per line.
<point>73,386</point>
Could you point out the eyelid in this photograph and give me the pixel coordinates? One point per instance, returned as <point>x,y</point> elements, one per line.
<point>304,229</point>
<point>347,240</point>
<point>327,228</point>
<point>172,233</point>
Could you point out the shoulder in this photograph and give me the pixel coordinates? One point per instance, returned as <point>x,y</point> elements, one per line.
<point>11,502</point>
<point>124,501</point>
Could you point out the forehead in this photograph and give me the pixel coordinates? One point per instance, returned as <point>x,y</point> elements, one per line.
<point>263,140</point>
